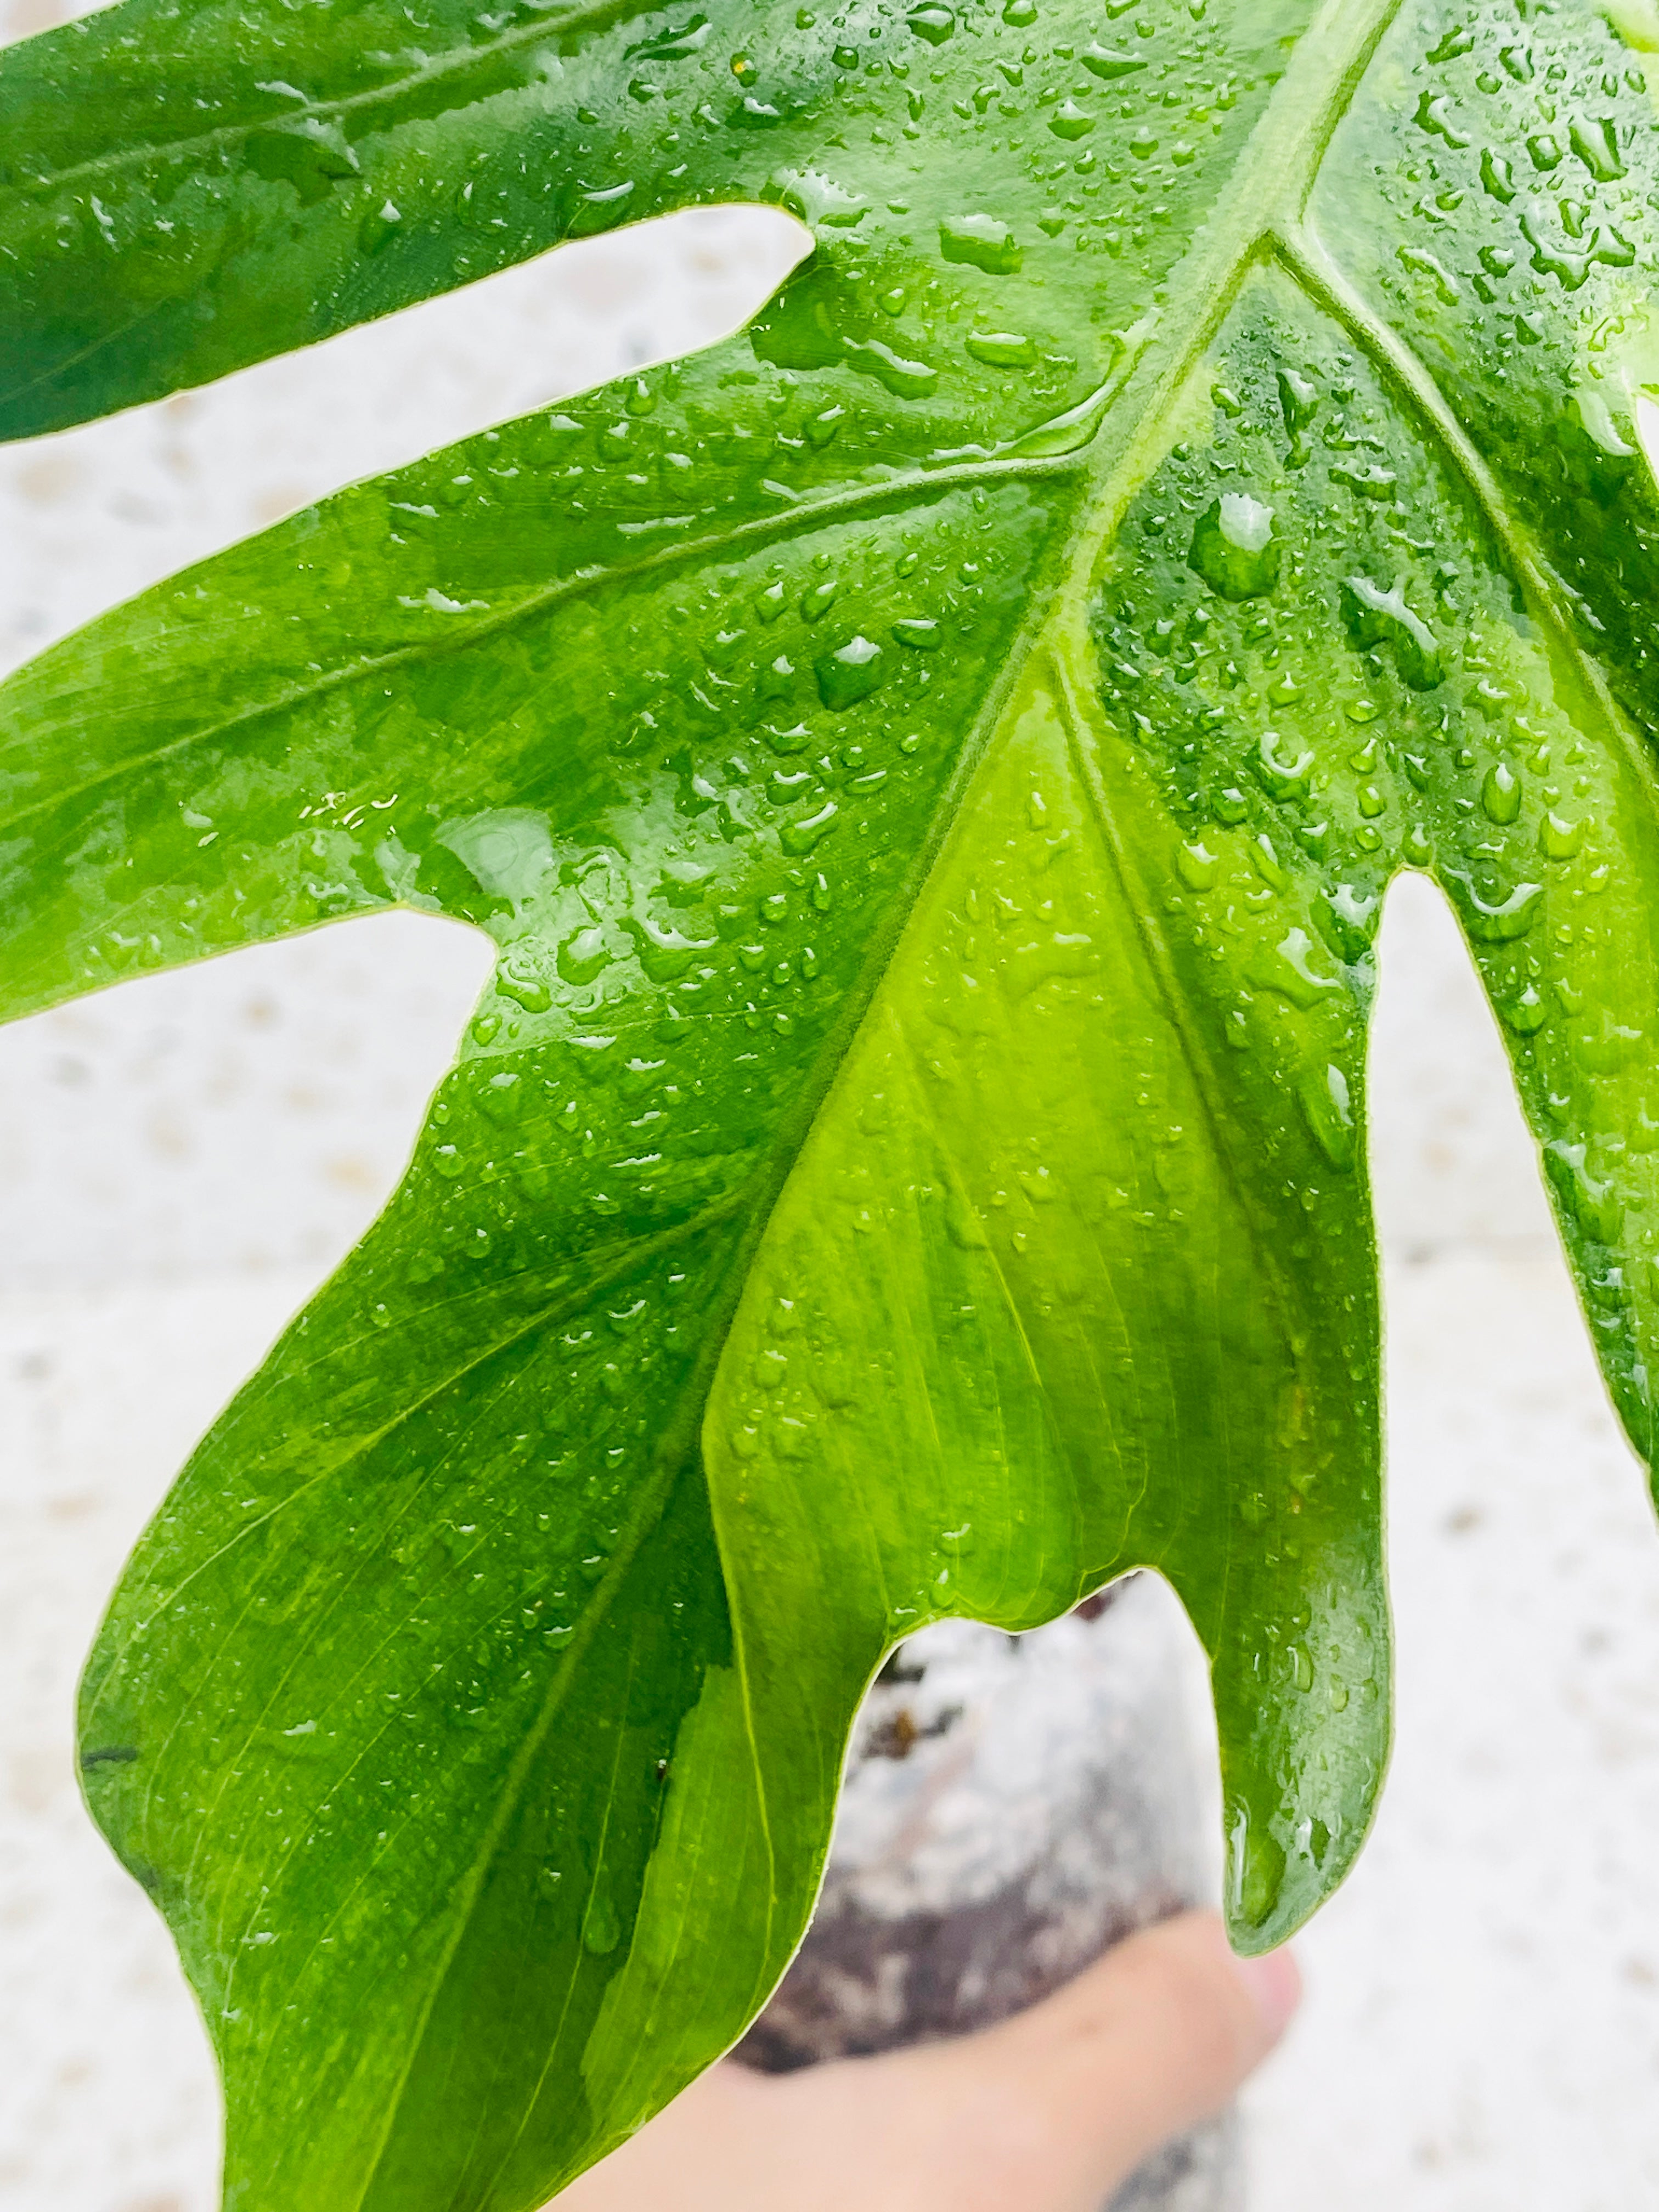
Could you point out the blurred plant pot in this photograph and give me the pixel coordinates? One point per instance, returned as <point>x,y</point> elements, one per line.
<point>1014,1805</point>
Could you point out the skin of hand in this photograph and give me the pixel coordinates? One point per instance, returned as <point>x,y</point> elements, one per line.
<point>1047,2113</point>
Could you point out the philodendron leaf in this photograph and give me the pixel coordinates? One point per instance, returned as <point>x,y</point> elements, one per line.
<point>932,767</point>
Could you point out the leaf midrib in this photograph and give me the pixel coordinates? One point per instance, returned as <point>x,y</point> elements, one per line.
<point>919,483</point>
<point>1266,191</point>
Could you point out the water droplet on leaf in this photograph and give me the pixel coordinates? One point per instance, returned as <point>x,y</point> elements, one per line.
<point>849,674</point>
<point>1500,794</point>
<point>982,242</point>
<point>1234,548</point>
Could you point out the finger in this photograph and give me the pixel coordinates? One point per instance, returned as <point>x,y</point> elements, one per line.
<point>1074,2094</point>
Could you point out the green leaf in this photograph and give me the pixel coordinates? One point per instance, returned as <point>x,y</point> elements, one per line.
<point>932,767</point>
<point>190,185</point>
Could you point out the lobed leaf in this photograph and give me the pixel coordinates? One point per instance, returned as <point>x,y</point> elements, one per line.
<point>932,767</point>
<point>191,185</point>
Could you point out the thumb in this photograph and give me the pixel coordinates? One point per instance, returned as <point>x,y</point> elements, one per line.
<point>1153,2038</point>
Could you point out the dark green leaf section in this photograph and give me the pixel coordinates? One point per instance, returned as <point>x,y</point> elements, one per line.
<point>1506,239</point>
<point>507,685</point>
<point>520,1773</point>
<point>187,188</point>
<point>932,768</point>
<point>433,1636</point>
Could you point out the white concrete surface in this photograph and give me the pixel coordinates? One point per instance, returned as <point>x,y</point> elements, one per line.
<point>181,1160</point>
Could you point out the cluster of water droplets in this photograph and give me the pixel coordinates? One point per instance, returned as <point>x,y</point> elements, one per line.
<point>1316,644</point>
<point>930,147</point>
<point>1526,168</point>
<point>1506,232</point>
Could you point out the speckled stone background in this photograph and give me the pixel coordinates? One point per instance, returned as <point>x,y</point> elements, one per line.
<point>181,1160</point>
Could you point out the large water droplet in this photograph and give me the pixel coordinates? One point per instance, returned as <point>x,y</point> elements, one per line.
<point>517,978</point>
<point>1500,794</point>
<point>1108,63</point>
<point>1288,969</point>
<point>1197,866</point>
<point>1298,399</point>
<point>1593,1203</point>
<point>1283,777</point>
<point>1500,921</point>
<point>1558,838</point>
<point>1070,122</point>
<point>1256,1868</point>
<point>582,958</point>
<point>849,674</point>
<point>1375,616</point>
<point>982,242</point>
<point>1526,1013</point>
<point>1234,548</point>
<point>1329,1107</point>
<point>934,24</point>
<point>904,379</point>
<point>1002,348</point>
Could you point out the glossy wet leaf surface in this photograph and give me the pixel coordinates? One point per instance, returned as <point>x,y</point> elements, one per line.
<point>931,766</point>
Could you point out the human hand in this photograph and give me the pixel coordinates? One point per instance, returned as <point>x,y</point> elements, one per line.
<point>1046,2112</point>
